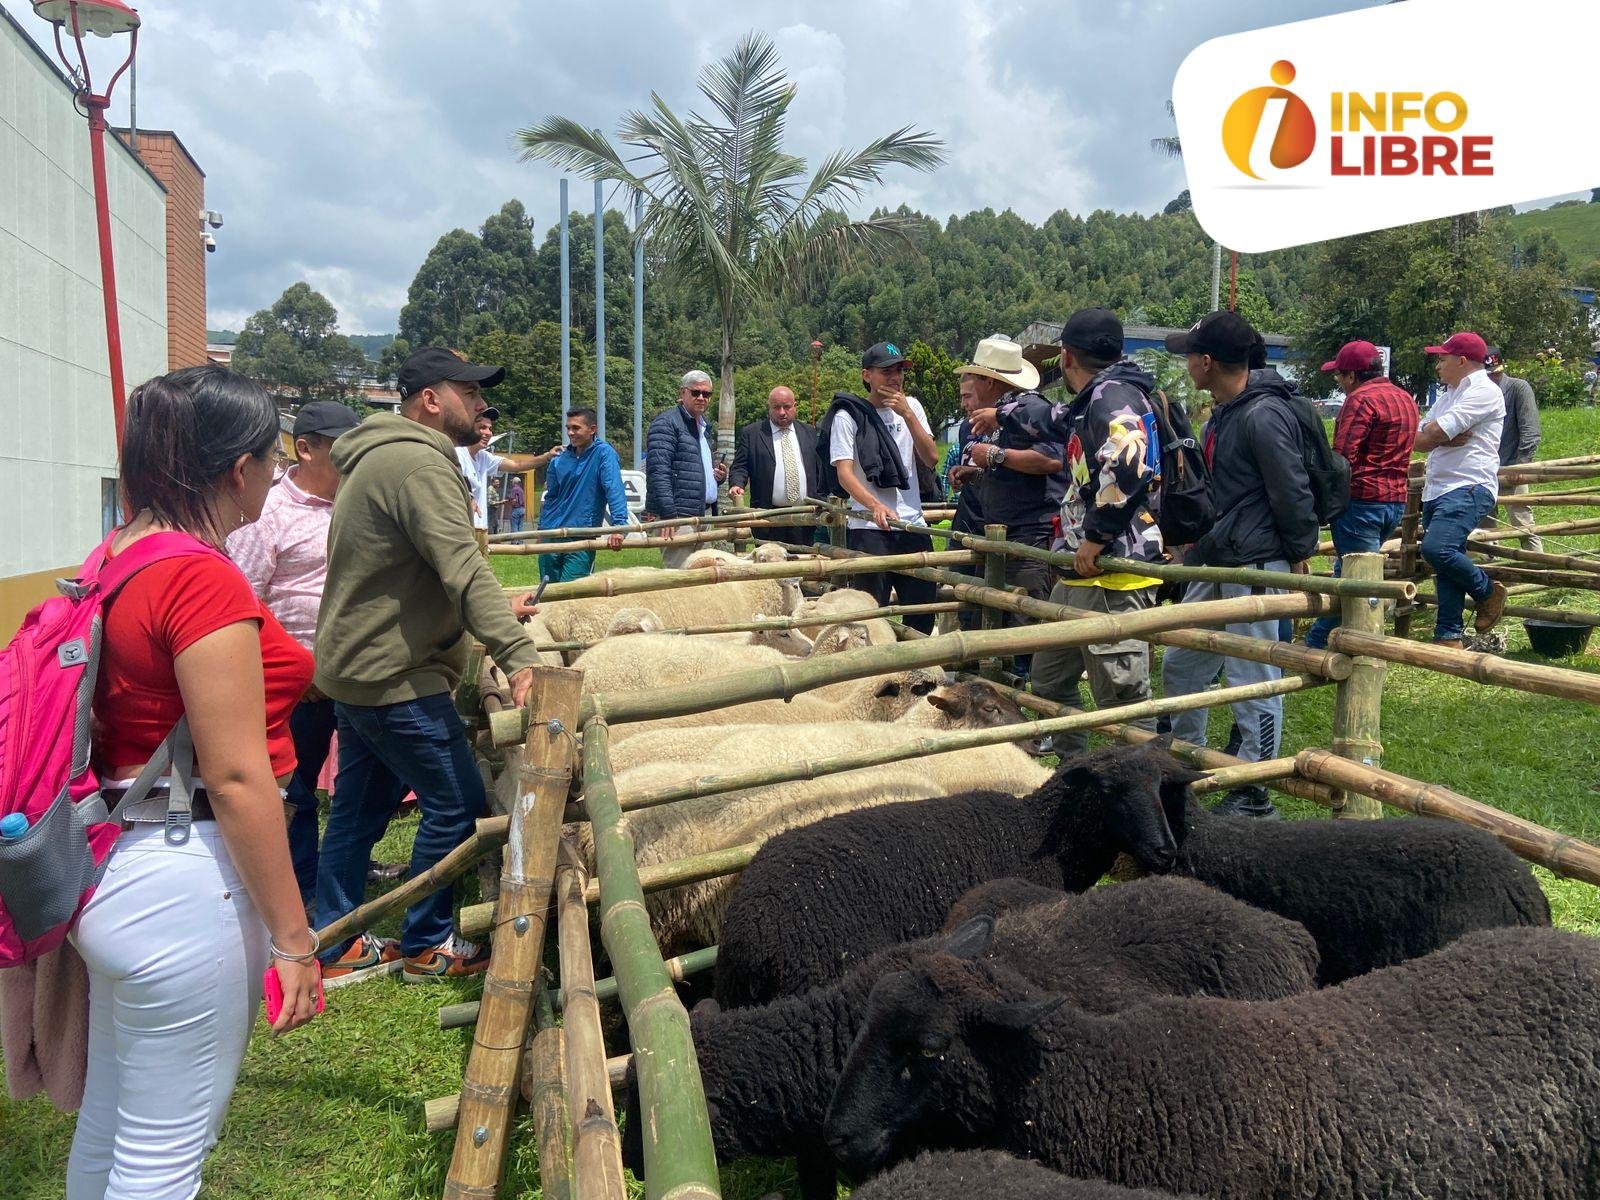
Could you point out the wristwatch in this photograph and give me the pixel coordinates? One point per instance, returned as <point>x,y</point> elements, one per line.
<point>997,457</point>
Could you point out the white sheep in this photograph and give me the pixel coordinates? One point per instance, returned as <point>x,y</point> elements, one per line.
<point>588,618</point>
<point>640,619</point>
<point>842,602</point>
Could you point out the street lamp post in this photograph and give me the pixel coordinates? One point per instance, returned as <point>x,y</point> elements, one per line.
<point>103,18</point>
<point>816,371</point>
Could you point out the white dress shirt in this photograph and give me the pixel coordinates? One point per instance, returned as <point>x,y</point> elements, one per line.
<point>779,477</point>
<point>1475,403</point>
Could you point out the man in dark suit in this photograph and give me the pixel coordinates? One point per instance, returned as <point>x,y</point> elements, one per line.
<point>776,460</point>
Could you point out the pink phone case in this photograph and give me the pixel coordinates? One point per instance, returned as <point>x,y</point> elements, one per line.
<point>272,994</point>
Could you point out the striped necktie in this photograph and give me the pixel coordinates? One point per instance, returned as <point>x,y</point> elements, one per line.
<point>793,479</point>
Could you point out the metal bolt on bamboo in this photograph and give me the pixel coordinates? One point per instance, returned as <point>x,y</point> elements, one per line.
<point>676,1132</point>
<point>490,1083</point>
<point>1358,706</point>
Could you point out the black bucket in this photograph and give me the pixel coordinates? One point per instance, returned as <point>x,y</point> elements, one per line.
<point>1557,639</point>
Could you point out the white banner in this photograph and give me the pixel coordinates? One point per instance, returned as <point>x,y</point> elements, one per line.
<point>1387,116</point>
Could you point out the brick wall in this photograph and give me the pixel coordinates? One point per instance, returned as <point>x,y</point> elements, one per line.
<point>186,255</point>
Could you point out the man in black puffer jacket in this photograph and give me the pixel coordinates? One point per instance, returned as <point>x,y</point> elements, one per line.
<point>681,471</point>
<point>1265,518</point>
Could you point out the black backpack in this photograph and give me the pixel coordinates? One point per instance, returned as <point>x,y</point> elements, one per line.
<point>1328,470</point>
<point>1182,495</point>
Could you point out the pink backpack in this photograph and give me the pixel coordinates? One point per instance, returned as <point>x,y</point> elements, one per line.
<point>47,684</point>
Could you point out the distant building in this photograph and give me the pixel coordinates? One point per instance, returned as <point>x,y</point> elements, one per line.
<point>58,455</point>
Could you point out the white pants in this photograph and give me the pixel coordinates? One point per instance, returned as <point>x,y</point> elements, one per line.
<point>175,952</point>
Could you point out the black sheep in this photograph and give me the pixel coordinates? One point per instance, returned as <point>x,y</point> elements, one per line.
<point>996,897</point>
<point>817,900</point>
<point>986,1174</point>
<point>1471,1072</point>
<point>1373,893</point>
<point>769,1072</point>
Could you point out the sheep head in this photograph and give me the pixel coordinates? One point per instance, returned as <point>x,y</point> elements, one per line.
<point>1131,799</point>
<point>973,704</point>
<point>894,694</point>
<point>849,636</point>
<point>785,641</point>
<point>920,1073</point>
<point>634,619</point>
<point>770,552</point>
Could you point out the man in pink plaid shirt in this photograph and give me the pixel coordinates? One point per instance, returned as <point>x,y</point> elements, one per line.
<point>284,555</point>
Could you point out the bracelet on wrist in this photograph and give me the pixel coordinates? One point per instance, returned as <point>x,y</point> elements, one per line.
<point>308,956</point>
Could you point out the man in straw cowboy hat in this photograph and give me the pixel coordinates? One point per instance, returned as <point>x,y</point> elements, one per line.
<point>1106,429</point>
<point>868,451</point>
<point>1020,483</point>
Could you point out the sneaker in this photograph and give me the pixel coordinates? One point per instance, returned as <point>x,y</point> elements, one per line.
<point>378,872</point>
<point>366,956</point>
<point>456,959</point>
<point>1490,608</point>
<point>1247,802</point>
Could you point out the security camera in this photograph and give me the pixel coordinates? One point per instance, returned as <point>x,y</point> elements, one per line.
<point>209,242</point>
<point>211,217</point>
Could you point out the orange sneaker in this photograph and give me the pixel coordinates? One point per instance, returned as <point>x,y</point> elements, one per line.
<point>456,959</point>
<point>366,956</point>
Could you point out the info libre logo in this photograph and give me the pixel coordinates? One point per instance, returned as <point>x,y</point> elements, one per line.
<point>1377,134</point>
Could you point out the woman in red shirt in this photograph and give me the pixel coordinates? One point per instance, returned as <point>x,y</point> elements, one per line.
<point>181,929</point>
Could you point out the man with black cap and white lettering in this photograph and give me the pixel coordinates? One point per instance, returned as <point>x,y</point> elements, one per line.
<point>407,591</point>
<point>1265,518</point>
<point>1106,431</point>
<point>868,451</point>
<point>284,555</point>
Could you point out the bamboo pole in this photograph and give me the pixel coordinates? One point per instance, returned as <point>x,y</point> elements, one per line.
<point>741,517</point>
<point>440,1113</point>
<point>544,1087</point>
<point>1467,664</point>
<point>926,745</point>
<point>1177,573</point>
<point>1358,707</point>
<point>724,534</point>
<point>1578,580</point>
<point>1568,856</point>
<point>477,919</point>
<point>489,836</point>
<point>1586,525</point>
<point>596,1144</point>
<point>781,623</point>
<point>994,576</point>
<point>489,1085</point>
<point>1570,616</point>
<point>1410,526</point>
<point>454,1016</point>
<point>678,1157</point>
<point>633,583</point>
<point>1568,562</point>
<point>1576,460</point>
<point>1197,756</point>
<point>786,680</point>
<point>1552,500</point>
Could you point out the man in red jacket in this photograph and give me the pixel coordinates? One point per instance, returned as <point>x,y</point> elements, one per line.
<point>1375,431</point>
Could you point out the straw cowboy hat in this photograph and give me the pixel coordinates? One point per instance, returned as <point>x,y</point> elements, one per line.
<point>1001,358</point>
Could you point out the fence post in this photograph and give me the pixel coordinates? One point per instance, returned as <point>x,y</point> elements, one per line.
<point>994,576</point>
<point>838,530</point>
<point>1358,706</point>
<point>1408,555</point>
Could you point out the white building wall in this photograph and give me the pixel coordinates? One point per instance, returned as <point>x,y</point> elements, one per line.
<point>57,436</point>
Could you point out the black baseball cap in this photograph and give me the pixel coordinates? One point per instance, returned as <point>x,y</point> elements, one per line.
<point>883,354</point>
<point>435,364</point>
<point>1225,336</point>
<point>489,414</point>
<point>327,417</point>
<point>1095,331</point>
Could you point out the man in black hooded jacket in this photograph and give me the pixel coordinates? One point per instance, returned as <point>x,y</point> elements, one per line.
<point>1265,518</point>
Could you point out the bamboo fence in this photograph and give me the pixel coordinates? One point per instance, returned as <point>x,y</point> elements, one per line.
<point>564,1073</point>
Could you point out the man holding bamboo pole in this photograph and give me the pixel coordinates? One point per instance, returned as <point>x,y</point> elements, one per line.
<point>1265,518</point>
<point>1461,438</point>
<point>1104,431</point>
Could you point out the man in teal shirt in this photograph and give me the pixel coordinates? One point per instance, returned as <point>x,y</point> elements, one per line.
<point>585,480</point>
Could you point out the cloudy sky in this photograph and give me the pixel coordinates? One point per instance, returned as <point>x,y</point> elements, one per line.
<point>342,137</point>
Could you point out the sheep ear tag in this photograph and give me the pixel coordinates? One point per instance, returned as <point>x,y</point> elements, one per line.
<point>972,939</point>
<point>1022,1014</point>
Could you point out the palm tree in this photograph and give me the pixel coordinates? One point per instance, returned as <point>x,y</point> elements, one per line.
<point>727,210</point>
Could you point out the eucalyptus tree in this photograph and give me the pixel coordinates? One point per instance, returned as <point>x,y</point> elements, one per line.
<point>728,210</point>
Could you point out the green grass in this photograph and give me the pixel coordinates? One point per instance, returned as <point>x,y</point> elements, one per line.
<point>1576,228</point>
<point>336,1109</point>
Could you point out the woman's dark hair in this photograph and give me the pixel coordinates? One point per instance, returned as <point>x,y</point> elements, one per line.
<point>183,432</point>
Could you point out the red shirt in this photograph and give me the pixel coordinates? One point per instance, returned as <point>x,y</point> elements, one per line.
<point>160,613</point>
<point>1375,431</point>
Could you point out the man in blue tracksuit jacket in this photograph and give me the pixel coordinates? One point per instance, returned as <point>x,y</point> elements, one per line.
<point>585,481</point>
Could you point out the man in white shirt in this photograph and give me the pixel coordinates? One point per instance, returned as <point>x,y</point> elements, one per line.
<point>478,462</point>
<point>1462,440</point>
<point>776,461</point>
<point>873,447</point>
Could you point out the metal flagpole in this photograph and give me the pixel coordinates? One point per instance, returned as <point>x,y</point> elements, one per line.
<point>638,331</point>
<point>600,307</point>
<point>566,315</point>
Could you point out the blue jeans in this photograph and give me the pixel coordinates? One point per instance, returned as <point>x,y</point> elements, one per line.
<point>1449,519</point>
<point>311,725</point>
<point>1360,529</point>
<point>518,515</point>
<point>383,751</point>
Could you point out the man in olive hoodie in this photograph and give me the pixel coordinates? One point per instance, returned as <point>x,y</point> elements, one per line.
<point>406,585</point>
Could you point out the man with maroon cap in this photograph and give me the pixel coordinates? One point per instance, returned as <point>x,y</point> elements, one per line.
<point>1462,440</point>
<point>1375,432</point>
